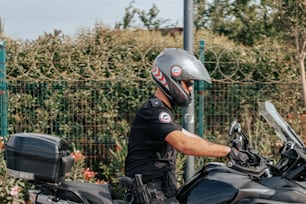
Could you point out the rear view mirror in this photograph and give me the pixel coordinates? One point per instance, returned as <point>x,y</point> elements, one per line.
<point>235,127</point>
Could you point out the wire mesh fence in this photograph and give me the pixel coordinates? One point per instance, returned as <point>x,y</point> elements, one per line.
<point>92,112</point>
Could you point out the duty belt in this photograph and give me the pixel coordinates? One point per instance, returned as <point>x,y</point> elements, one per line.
<point>155,185</point>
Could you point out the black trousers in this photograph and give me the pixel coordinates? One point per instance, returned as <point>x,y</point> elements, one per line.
<point>157,191</point>
<point>159,195</point>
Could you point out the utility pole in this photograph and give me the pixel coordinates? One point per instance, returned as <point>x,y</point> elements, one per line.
<point>188,112</point>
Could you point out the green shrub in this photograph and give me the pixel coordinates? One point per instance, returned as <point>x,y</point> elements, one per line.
<point>12,190</point>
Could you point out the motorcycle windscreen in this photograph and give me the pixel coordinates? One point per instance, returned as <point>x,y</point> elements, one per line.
<point>212,191</point>
<point>281,127</point>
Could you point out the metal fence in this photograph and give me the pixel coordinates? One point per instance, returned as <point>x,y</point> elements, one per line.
<point>85,119</point>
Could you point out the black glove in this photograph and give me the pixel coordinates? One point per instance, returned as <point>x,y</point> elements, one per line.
<point>238,156</point>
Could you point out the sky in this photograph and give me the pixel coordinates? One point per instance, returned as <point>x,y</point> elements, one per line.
<point>28,19</point>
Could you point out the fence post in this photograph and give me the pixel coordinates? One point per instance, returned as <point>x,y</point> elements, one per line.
<point>200,89</point>
<point>3,92</point>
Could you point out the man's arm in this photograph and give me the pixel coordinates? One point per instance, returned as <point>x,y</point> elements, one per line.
<point>191,144</point>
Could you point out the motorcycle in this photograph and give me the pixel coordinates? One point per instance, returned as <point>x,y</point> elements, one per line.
<point>44,160</point>
<point>256,180</point>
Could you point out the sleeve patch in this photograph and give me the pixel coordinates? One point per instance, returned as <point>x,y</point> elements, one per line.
<point>164,117</point>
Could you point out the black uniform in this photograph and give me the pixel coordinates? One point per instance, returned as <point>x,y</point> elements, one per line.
<point>148,152</point>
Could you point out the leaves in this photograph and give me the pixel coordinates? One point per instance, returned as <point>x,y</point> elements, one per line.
<point>12,190</point>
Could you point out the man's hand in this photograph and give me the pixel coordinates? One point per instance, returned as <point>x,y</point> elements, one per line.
<point>238,156</point>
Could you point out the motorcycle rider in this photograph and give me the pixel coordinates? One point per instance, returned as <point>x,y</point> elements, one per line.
<point>155,136</point>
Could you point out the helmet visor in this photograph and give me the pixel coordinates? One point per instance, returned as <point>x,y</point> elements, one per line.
<point>195,70</point>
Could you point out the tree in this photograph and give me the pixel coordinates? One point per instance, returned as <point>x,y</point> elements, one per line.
<point>149,20</point>
<point>250,21</point>
<point>200,14</point>
<point>128,17</point>
<point>290,18</point>
<point>244,21</point>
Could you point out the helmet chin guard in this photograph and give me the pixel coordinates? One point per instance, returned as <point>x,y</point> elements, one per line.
<point>174,65</point>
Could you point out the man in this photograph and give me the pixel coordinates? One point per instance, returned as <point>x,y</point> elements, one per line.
<point>154,135</point>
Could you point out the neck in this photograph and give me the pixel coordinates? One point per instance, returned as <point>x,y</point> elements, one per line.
<point>161,96</point>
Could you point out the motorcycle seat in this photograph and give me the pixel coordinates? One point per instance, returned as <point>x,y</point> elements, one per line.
<point>94,193</point>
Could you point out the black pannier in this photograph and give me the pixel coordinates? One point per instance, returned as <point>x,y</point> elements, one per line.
<point>38,157</point>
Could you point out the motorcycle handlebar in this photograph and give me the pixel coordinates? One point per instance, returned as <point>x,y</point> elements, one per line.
<point>255,165</point>
<point>254,171</point>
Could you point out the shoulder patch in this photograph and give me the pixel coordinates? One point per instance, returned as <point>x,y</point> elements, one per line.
<point>164,117</point>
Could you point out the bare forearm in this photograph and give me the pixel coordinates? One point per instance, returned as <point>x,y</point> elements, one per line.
<point>198,146</point>
<point>202,147</point>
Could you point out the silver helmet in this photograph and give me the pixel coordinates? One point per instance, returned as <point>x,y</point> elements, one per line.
<point>174,65</point>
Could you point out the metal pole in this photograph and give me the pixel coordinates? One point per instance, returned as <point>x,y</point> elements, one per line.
<point>188,112</point>
<point>3,92</point>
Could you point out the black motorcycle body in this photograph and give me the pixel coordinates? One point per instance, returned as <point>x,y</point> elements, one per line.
<point>217,183</point>
<point>44,160</point>
<point>72,192</point>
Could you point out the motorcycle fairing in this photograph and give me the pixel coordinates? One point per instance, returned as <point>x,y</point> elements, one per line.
<point>184,191</point>
<point>286,189</point>
<point>281,127</point>
<point>211,191</point>
<point>216,183</point>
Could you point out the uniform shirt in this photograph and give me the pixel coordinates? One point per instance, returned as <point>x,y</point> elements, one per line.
<point>148,152</point>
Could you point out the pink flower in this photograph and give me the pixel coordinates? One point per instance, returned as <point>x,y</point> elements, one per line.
<point>14,191</point>
<point>1,143</point>
<point>78,156</point>
<point>88,174</point>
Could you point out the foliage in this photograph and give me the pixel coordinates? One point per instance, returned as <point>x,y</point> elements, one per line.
<point>12,190</point>
<point>254,22</point>
<point>87,89</point>
<point>242,21</point>
<point>289,18</point>
<point>128,17</point>
<point>79,171</point>
<point>114,168</point>
<point>71,77</point>
<point>251,22</point>
<point>180,168</point>
<point>149,20</point>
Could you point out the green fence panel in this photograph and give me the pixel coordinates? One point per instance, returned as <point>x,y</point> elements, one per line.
<point>3,91</point>
<point>76,100</point>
